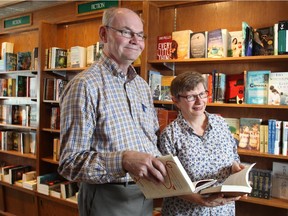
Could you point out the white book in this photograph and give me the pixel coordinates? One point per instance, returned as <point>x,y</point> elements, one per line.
<point>280,180</point>
<point>7,47</point>
<point>284,137</point>
<point>276,39</point>
<point>277,138</point>
<point>177,182</point>
<point>236,184</point>
<point>78,57</point>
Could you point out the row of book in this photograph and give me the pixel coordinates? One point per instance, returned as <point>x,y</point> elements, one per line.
<point>267,183</point>
<point>264,137</point>
<point>25,115</point>
<point>22,142</point>
<point>250,87</point>
<point>218,43</point>
<point>53,88</point>
<point>21,86</point>
<point>51,184</point>
<point>11,61</point>
<point>75,57</point>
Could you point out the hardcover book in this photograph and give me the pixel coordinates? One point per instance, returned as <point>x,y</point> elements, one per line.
<point>177,181</point>
<point>181,44</point>
<point>261,183</point>
<point>61,58</point>
<point>284,137</point>
<point>250,133</point>
<point>263,41</point>
<point>220,87</point>
<point>234,127</point>
<point>10,61</point>
<point>234,88</point>
<point>155,84</point>
<point>198,45</point>
<point>280,180</point>
<point>256,87</point>
<point>236,43</point>
<point>165,88</point>
<point>282,37</point>
<point>278,88</point>
<point>7,47</point>
<point>247,39</point>
<point>78,57</point>
<point>236,184</point>
<point>164,47</point>
<point>23,60</point>
<point>218,43</point>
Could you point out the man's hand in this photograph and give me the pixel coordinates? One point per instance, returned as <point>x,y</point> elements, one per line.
<point>144,165</point>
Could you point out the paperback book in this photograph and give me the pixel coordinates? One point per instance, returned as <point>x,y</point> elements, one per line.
<point>177,181</point>
<point>155,84</point>
<point>235,185</point>
<point>278,88</point>
<point>250,133</point>
<point>236,43</point>
<point>164,46</point>
<point>198,44</point>
<point>280,180</point>
<point>218,43</point>
<point>256,88</point>
<point>181,45</point>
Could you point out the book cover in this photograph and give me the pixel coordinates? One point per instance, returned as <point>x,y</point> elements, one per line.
<point>247,39</point>
<point>198,44</point>
<point>47,181</point>
<point>256,87</point>
<point>261,183</point>
<point>234,88</point>
<point>17,172</point>
<point>234,127</point>
<point>60,86</point>
<point>164,47</point>
<point>218,43</point>
<point>177,181</point>
<point>78,57</point>
<point>11,87</point>
<point>181,44</point>
<point>7,47</point>
<point>236,184</point>
<point>278,88</point>
<point>263,41</point>
<point>23,60</point>
<point>61,58</point>
<point>284,137</point>
<point>55,118</point>
<point>282,37</point>
<point>21,86</point>
<point>236,43</point>
<point>280,180</point>
<point>250,133</point>
<point>155,84</point>
<point>10,61</point>
<point>165,94</point>
<point>271,135</point>
<point>49,88</point>
<point>91,54</point>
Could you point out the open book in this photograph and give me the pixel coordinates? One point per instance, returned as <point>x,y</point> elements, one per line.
<point>177,181</point>
<point>236,184</point>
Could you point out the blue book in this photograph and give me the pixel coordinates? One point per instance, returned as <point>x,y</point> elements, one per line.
<point>271,135</point>
<point>256,87</point>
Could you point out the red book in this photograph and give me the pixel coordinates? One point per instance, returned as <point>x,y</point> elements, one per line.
<point>235,88</point>
<point>164,47</point>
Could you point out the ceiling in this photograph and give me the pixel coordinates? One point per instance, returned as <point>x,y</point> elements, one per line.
<point>14,7</point>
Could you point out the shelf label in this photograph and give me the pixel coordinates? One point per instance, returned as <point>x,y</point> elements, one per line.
<point>95,6</point>
<point>20,21</point>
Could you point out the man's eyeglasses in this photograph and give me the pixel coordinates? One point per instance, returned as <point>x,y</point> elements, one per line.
<point>129,34</point>
<point>193,97</point>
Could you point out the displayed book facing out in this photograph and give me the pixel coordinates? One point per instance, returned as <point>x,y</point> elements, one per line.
<point>236,184</point>
<point>278,88</point>
<point>177,181</point>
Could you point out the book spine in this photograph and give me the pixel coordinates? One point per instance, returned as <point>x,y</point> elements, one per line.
<point>271,135</point>
<point>284,137</point>
<point>277,137</point>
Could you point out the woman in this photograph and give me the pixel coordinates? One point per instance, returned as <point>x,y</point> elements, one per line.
<point>204,145</point>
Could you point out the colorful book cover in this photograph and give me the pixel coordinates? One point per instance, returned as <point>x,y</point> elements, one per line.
<point>181,44</point>
<point>155,84</point>
<point>278,88</point>
<point>10,61</point>
<point>250,133</point>
<point>220,87</point>
<point>165,88</point>
<point>282,37</point>
<point>234,88</point>
<point>198,45</point>
<point>263,41</point>
<point>164,45</point>
<point>256,88</point>
<point>236,43</point>
<point>61,58</point>
<point>234,127</point>
<point>218,43</point>
<point>247,39</point>
<point>23,60</point>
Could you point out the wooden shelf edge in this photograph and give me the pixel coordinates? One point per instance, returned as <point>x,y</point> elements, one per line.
<point>262,155</point>
<point>273,202</point>
<point>19,154</point>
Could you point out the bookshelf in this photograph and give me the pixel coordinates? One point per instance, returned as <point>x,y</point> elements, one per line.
<point>61,28</point>
<point>171,16</point>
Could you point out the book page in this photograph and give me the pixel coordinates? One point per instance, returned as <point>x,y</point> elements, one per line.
<point>177,181</point>
<point>239,178</point>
